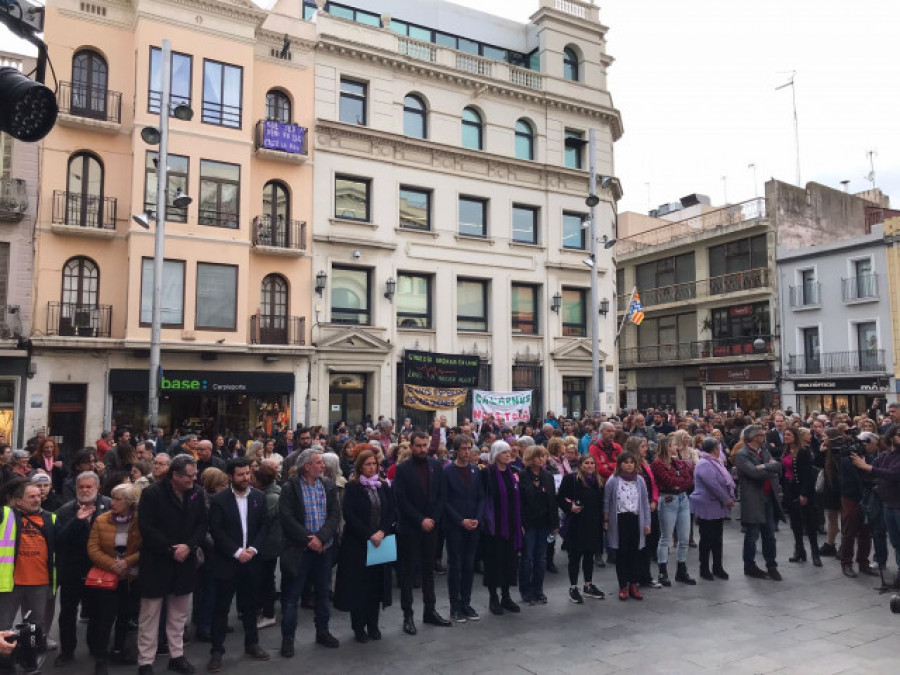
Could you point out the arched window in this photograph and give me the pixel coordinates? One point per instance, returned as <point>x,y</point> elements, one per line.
<point>472,129</point>
<point>276,216</point>
<point>570,64</point>
<point>84,191</point>
<point>273,305</point>
<point>524,140</point>
<point>414,117</point>
<point>278,107</point>
<point>89,84</point>
<point>80,284</point>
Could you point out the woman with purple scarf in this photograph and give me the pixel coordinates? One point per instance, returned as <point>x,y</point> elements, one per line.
<point>580,497</point>
<point>711,502</point>
<point>502,534</point>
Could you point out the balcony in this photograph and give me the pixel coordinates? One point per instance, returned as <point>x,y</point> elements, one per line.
<point>279,237</point>
<point>281,142</point>
<point>863,288</point>
<point>698,349</point>
<point>81,213</point>
<point>89,107</point>
<point>73,320</point>
<point>837,363</point>
<point>806,296</point>
<point>13,199</point>
<point>267,329</point>
<point>736,282</point>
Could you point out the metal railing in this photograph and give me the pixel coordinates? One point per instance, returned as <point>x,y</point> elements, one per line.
<point>278,233</point>
<point>81,210</point>
<point>217,218</point>
<point>72,319</point>
<point>805,295</point>
<point>697,349</point>
<point>93,102</point>
<point>735,282</point>
<point>13,199</point>
<point>830,363</point>
<point>711,220</point>
<point>289,138</point>
<point>268,329</point>
<point>10,321</point>
<point>862,287</point>
<point>222,114</point>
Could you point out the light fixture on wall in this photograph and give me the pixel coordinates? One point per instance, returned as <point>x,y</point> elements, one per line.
<point>390,287</point>
<point>321,278</point>
<point>604,307</point>
<point>556,302</point>
<point>607,242</point>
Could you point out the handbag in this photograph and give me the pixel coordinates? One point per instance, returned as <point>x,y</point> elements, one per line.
<point>100,578</point>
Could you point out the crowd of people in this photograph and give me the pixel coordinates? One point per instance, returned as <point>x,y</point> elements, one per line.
<point>147,535</point>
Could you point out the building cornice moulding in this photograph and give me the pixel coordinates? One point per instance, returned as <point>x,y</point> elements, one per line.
<point>242,10</point>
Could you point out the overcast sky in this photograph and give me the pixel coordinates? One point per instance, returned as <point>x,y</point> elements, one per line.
<point>695,82</point>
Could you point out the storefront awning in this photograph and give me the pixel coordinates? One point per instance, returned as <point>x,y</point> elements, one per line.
<point>202,381</point>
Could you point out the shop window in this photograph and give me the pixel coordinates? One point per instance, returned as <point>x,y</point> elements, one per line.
<point>8,411</point>
<point>216,296</point>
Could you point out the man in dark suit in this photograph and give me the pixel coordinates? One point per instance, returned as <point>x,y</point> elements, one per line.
<point>420,490</point>
<point>463,512</point>
<point>238,519</point>
<point>775,436</point>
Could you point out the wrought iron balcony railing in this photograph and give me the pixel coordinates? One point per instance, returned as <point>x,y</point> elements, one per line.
<point>268,329</point>
<point>279,233</point>
<point>81,210</point>
<point>72,319</point>
<point>736,282</point>
<point>834,363</point>
<point>697,349</point>
<point>94,102</point>
<point>13,199</point>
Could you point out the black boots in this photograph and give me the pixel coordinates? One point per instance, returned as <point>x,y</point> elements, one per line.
<point>664,575</point>
<point>799,555</point>
<point>683,576</point>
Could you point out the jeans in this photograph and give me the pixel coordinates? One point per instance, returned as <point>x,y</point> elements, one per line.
<point>461,547</point>
<point>533,562</point>
<point>892,524</point>
<point>315,567</point>
<point>674,516</point>
<point>767,530</point>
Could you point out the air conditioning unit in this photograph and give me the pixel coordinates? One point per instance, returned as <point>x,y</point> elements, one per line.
<point>83,318</point>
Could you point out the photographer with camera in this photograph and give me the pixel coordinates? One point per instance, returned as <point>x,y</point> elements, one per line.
<point>7,646</point>
<point>855,484</point>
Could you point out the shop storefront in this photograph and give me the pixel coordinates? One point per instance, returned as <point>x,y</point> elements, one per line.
<point>13,374</point>
<point>851,395</point>
<point>744,386</point>
<point>205,402</point>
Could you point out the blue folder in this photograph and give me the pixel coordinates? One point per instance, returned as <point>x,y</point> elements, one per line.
<point>384,553</point>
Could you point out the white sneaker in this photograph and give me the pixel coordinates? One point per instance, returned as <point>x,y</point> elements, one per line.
<point>265,622</point>
<point>51,644</point>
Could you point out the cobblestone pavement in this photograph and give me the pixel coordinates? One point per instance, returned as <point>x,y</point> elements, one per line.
<point>815,621</point>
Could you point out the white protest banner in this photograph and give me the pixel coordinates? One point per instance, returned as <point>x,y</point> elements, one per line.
<point>507,407</point>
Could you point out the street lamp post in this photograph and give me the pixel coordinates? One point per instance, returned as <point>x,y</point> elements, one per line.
<point>592,202</point>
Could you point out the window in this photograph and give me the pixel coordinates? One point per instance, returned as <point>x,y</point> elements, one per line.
<point>80,283</point>
<point>273,311</point>
<point>220,186</point>
<point>525,309</point>
<point>472,129</point>
<point>527,375</point>
<point>735,328</point>
<point>278,107</point>
<point>274,226</point>
<point>413,301</point>
<point>809,287</point>
<point>415,208</point>
<point>180,93</point>
<point>574,142</point>
<point>738,256</point>
<point>172,305</point>
<point>471,305</point>
<point>352,14</point>
<point>216,296</point>
<point>811,351</point>
<point>4,272</point>
<point>350,295</point>
<point>353,102</point>
<point>570,64</point>
<point>865,278</point>
<point>867,346</point>
<point>525,224</point>
<point>414,117</point>
<point>573,234</point>
<point>176,177</point>
<point>473,217</point>
<point>574,311</point>
<point>575,392</point>
<point>222,85</point>
<point>89,84</point>
<point>351,198</point>
<point>84,191</point>
<point>524,140</point>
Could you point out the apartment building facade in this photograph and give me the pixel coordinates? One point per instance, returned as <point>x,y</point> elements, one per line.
<point>18,207</point>
<point>451,174</point>
<point>713,334</point>
<point>236,280</point>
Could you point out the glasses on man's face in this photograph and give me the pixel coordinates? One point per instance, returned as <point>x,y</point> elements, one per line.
<point>192,476</point>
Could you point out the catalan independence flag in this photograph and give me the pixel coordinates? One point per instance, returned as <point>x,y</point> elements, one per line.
<point>636,313</point>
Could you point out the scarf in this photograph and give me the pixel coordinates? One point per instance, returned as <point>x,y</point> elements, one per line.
<point>372,483</point>
<point>504,507</point>
<point>591,479</point>
<point>628,476</point>
<point>122,518</point>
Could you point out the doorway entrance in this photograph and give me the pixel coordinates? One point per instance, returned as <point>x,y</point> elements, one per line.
<point>67,412</point>
<point>347,398</point>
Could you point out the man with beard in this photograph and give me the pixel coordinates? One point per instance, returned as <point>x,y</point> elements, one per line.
<point>304,441</point>
<point>74,521</point>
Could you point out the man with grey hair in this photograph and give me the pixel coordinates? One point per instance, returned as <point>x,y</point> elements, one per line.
<point>310,513</point>
<point>160,466</point>
<point>760,501</point>
<point>74,521</point>
<point>206,458</point>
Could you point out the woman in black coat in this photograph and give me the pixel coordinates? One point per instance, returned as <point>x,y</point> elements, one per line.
<point>798,489</point>
<point>580,497</point>
<point>369,515</point>
<point>540,518</point>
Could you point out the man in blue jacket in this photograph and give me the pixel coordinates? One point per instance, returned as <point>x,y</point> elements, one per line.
<point>463,513</point>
